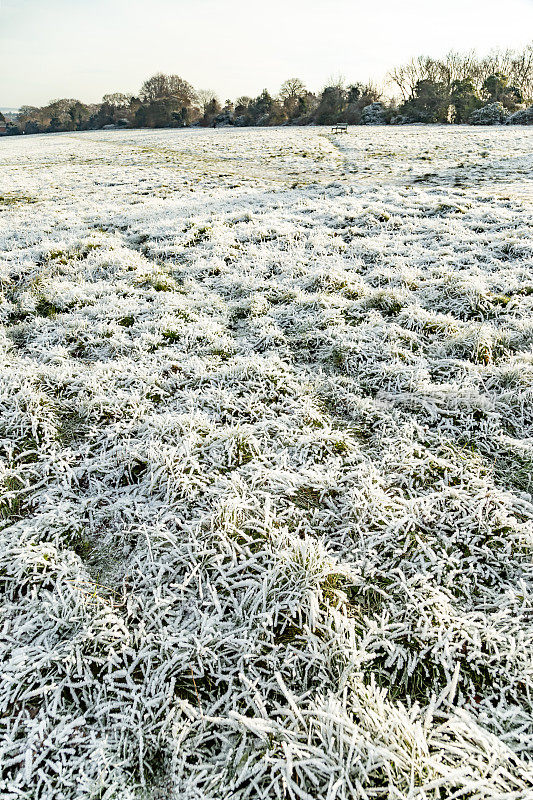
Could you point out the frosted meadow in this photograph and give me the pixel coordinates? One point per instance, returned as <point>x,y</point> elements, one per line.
<point>266,439</point>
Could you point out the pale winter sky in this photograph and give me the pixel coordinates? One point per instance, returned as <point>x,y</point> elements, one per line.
<point>85,48</point>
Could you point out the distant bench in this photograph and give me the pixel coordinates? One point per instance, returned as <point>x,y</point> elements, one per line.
<point>342,127</point>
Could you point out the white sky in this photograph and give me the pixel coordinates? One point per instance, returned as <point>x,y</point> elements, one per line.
<point>85,48</point>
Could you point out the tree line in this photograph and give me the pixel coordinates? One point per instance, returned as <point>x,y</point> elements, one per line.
<point>459,88</point>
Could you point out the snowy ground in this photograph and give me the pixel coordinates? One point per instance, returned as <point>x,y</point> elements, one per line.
<point>266,449</point>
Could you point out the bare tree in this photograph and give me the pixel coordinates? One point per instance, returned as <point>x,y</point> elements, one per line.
<point>25,112</point>
<point>453,67</point>
<point>205,97</point>
<point>337,81</point>
<point>117,99</point>
<point>398,76</point>
<point>292,88</point>
<point>460,66</point>
<point>161,86</point>
<point>521,71</point>
<point>407,76</point>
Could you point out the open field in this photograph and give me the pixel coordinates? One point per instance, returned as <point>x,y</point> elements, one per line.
<point>266,450</point>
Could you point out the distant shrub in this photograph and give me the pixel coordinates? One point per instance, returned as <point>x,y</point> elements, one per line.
<point>491,114</point>
<point>522,117</point>
<point>400,119</point>
<point>374,114</point>
<point>223,120</point>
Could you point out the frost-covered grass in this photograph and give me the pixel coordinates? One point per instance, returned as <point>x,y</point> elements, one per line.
<point>266,463</point>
